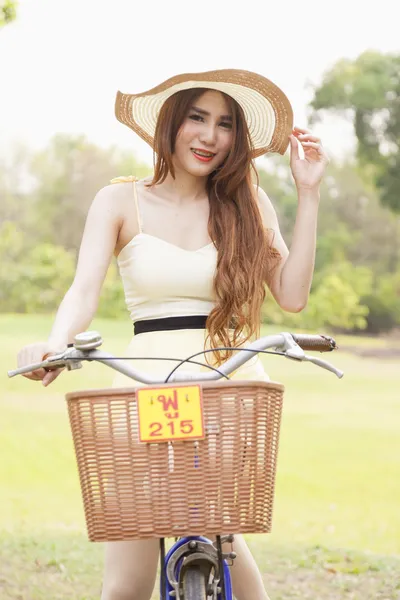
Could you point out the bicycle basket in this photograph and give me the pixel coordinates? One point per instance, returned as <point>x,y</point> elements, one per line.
<point>223,483</point>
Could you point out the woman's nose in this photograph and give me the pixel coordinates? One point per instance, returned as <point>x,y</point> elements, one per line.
<point>208,134</point>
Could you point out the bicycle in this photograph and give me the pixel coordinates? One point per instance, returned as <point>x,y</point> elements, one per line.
<point>229,429</point>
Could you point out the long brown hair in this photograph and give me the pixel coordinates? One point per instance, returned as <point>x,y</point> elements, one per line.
<point>246,257</point>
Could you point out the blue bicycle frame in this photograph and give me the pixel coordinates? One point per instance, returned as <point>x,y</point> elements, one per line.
<point>176,546</point>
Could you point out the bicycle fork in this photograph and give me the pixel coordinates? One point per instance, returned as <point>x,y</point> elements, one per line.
<point>199,551</point>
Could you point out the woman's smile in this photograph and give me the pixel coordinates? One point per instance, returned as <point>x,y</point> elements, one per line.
<point>202,155</point>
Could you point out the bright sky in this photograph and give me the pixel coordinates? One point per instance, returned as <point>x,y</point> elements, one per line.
<point>62,61</point>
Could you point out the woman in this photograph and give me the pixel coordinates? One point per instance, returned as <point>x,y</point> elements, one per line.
<point>196,245</point>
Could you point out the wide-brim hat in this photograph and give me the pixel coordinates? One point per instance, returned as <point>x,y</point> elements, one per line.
<point>267,110</point>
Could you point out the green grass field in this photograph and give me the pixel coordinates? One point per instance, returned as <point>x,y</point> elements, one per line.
<point>336,528</point>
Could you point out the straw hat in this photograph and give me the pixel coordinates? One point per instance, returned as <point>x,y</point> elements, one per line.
<point>268,112</point>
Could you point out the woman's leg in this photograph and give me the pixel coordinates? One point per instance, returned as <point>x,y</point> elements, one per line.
<point>130,570</point>
<point>247,582</point>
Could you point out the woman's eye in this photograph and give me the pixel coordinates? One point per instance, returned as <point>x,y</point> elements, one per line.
<point>200,119</point>
<point>196,117</point>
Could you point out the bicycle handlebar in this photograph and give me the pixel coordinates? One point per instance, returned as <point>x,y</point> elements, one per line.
<point>315,343</point>
<point>86,344</point>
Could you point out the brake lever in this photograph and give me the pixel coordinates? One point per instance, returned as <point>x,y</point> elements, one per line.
<point>295,352</point>
<point>324,365</point>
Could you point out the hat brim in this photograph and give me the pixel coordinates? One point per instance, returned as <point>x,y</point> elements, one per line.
<point>267,110</point>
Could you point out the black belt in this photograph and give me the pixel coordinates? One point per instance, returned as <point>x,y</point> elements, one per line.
<point>170,324</point>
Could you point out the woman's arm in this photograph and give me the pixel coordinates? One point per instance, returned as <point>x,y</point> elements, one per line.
<point>100,235</point>
<point>79,305</point>
<point>292,279</point>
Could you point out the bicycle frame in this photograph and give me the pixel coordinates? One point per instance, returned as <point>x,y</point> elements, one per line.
<point>170,563</point>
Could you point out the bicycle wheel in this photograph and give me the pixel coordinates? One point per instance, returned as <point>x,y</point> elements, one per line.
<point>194,583</point>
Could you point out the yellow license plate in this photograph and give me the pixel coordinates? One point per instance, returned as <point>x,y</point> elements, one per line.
<point>170,413</point>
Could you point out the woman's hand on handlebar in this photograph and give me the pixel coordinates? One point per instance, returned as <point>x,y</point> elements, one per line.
<point>35,353</point>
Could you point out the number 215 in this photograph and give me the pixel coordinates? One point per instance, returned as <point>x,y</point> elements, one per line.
<point>185,428</point>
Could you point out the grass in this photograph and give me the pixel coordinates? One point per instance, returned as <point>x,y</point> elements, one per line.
<point>336,529</point>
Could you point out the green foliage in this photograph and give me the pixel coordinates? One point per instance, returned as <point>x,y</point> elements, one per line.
<point>351,218</point>
<point>8,11</point>
<point>367,90</point>
<point>112,300</point>
<point>68,175</point>
<point>384,303</point>
<point>358,241</point>
<point>32,279</point>
<point>37,266</point>
<point>276,179</point>
<point>335,301</point>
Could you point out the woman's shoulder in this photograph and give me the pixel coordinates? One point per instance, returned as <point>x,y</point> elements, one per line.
<point>111,191</point>
<point>113,198</point>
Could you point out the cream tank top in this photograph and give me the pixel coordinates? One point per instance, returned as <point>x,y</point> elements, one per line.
<point>161,279</point>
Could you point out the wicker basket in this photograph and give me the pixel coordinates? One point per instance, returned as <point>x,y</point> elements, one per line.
<point>221,484</point>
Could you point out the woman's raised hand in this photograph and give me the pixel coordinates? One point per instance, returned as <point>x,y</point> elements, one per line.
<point>308,171</point>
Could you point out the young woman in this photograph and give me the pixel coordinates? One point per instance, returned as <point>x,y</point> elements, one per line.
<point>196,244</point>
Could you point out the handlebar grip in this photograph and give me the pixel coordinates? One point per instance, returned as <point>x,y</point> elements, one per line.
<point>51,362</point>
<point>315,343</point>
<point>28,369</point>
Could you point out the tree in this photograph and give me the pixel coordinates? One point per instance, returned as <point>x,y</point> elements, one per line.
<point>69,173</point>
<point>335,301</point>
<point>367,91</point>
<point>32,278</point>
<point>8,11</point>
<point>352,224</point>
<point>384,303</point>
<point>358,243</point>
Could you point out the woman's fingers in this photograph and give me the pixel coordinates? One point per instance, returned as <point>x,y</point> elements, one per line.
<point>34,354</point>
<point>314,145</point>
<point>305,135</point>
<point>294,147</point>
<point>308,137</point>
<point>35,375</point>
<point>51,376</point>
<point>300,130</point>
<point>43,375</point>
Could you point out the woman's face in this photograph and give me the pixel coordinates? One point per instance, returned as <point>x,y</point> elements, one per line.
<point>205,137</point>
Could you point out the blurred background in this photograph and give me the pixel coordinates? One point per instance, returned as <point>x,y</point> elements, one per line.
<point>337,525</point>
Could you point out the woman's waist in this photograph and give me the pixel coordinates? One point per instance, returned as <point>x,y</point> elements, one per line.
<point>170,336</point>
<point>171,323</point>
<point>188,333</point>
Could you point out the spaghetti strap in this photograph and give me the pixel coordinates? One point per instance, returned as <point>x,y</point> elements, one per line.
<point>131,179</point>
<point>135,196</point>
